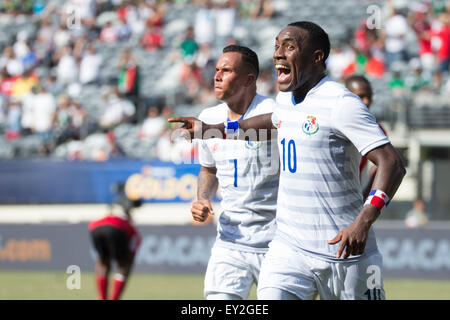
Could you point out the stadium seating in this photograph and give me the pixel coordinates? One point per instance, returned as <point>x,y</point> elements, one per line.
<point>158,74</point>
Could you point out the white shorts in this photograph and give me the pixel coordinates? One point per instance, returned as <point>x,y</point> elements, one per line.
<point>232,272</point>
<point>305,276</point>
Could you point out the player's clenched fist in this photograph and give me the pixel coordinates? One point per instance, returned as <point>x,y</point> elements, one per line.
<point>201,209</point>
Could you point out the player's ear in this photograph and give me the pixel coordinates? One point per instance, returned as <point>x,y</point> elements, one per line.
<point>318,56</point>
<point>250,79</point>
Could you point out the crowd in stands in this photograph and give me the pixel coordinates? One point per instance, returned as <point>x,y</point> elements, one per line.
<point>61,54</point>
<point>412,48</point>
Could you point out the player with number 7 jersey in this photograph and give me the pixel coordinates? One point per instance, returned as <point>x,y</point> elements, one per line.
<point>247,173</point>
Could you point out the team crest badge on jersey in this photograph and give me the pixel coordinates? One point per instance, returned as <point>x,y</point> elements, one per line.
<point>310,126</point>
<point>253,145</point>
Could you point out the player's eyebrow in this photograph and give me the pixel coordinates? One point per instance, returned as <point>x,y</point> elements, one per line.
<point>285,39</point>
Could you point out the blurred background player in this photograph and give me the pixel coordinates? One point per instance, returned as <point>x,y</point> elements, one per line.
<point>360,86</point>
<point>248,182</point>
<point>115,239</point>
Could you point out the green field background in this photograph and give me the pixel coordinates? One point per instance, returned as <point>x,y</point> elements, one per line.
<point>46,285</point>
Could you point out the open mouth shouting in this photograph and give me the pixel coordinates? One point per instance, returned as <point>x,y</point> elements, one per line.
<point>283,73</point>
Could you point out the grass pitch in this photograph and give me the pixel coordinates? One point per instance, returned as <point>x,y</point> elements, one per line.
<point>45,285</point>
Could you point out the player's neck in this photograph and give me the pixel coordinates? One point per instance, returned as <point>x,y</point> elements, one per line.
<point>300,93</point>
<point>238,107</point>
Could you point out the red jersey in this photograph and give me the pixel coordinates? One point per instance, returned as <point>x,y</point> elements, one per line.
<point>120,223</point>
<point>7,85</point>
<point>442,36</point>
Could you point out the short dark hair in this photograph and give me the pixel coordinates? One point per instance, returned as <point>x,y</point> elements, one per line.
<point>358,78</point>
<point>318,38</point>
<point>249,57</point>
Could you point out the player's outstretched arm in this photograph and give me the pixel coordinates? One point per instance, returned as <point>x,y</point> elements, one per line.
<point>206,189</point>
<point>389,175</point>
<point>200,130</point>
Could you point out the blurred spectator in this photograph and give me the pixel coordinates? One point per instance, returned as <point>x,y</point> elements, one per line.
<point>66,66</point>
<point>441,37</point>
<point>416,217</point>
<point>116,150</point>
<point>397,84</point>
<point>13,119</point>
<point>178,150</point>
<point>85,8</point>
<point>20,47</point>
<point>262,9</point>
<point>206,62</point>
<point>13,65</point>
<point>102,147</point>
<point>128,79</point>
<point>75,151</point>
<point>43,46</point>
<point>361,42</point>
<point>118,110</point>
<point>166,113</point>
<point>30,60</point>
<point>90,66</point>
<point>374,66</point>
<point>7,83</point>
<point>52,85</point>
<point>79,124</point>
<point>27,120</point>
<point>3,107</point>
<point>70,120</point>
<point>124,9</point>
<point>189,46</point>
<point>108,34</point>
<point>44,108</point>
<point>395,38</point>
<point>205,23</point>
<point>39,7</point>
<point>159,11</point>
<point>338,60</point>
<point>46,31</point>
<point>152,39</point>
<point>24,84</point>
<point>190,81</point>
<point>62,120</point>
<point>226,14</point>
<point>206,96</point>
<point>136,17</point>
<point>62,37</point>
<point>422,28</point>
<point>123,31</point>
<point>96,147</point>
<point>266,83</point>
<point>417,78</point>
<point>153,125</point>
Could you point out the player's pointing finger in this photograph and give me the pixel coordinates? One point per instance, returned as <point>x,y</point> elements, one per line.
<point>178,119</point>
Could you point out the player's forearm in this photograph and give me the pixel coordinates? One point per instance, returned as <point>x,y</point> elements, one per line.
<point>389,174</point>
<point>371,177</point>
<point>253,129</point>
<point>207,184</point>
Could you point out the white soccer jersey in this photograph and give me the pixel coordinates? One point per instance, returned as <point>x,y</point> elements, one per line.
<point>248,175</point>
<point>320,142</point>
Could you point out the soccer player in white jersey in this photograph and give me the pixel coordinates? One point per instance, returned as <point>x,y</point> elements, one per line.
<point>248,178</point>
<point>324,242</point>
